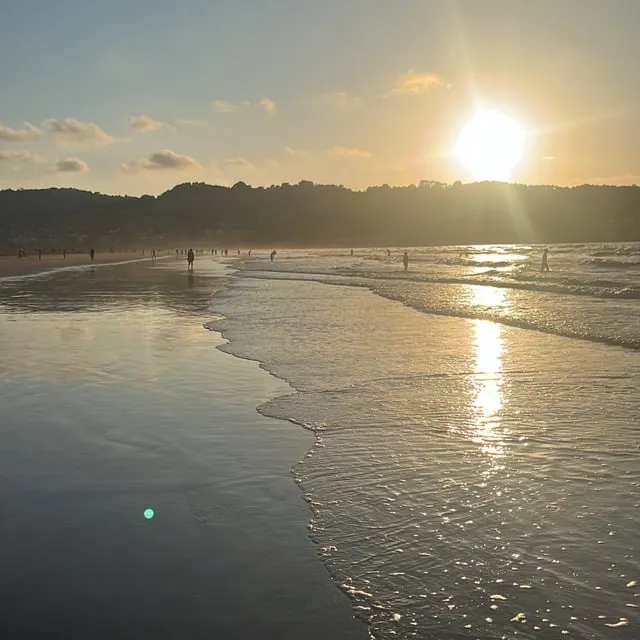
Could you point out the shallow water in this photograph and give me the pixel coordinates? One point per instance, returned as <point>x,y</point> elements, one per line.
<point>471,479</point>
<point>115,400</point>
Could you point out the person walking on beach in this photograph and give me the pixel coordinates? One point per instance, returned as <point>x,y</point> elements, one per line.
<point>405,260</point>
<point>153,254</point>
<point>39,254</point>
<point>92,253</point>
<point>190,259</point>
<point>274,253</point>
<point>544,266</point>
<point>64,254</point>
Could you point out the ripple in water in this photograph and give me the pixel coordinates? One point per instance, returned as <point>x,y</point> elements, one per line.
<point>469,479</point>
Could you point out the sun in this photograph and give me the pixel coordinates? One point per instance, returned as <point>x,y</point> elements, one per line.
<point>490,145</point>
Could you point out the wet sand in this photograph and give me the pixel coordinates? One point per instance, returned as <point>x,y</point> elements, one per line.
<point>13,266</point>
<point>116,400</point>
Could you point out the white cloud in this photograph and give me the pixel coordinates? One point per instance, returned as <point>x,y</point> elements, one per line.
<point>415,82</point>
<point>239,162</point>
<point>145,124</point>
<point>164,159</point>
<point>340,100</point>
<point>71,165</point>
<point>267,104</point>
<point>23,157</point>
<point>28,133</point>
<point>69,132</point>
<point>348,152</point>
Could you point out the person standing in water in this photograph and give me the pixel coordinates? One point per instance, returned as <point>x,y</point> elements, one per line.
<point>92,253</point>
<point>405,260</point>
<point>273,254</point>
<point>190,259</point>
<point>544,265</point>
<point>153,254</point>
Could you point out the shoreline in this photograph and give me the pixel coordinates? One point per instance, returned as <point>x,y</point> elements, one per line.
<point>224,347</point>
<point>15,268</point>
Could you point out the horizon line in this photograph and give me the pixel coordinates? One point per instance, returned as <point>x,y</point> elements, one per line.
<point>455,183</point>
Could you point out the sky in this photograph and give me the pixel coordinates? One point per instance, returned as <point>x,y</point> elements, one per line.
<point>135,96</point>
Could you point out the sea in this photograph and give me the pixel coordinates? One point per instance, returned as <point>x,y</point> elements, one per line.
<point>476,468</point>
<point>448,452</point>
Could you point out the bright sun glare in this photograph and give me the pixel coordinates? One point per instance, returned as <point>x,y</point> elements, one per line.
<point>490,145</point>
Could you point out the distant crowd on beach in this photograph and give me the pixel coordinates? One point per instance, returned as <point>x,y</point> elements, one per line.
<point>190,254</point>
<point>22,253</point>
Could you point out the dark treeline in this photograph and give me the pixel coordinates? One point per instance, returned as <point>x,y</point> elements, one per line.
<point>308,214</point>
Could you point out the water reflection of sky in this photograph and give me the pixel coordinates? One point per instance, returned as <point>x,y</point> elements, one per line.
<point>51,330</point>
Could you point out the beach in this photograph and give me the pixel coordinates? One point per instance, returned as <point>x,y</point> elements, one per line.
<point>330,447</point>
<point>116,401</point>
<point>14,266</point>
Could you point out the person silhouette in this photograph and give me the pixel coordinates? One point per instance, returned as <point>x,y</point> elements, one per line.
<point>405,260</point>
<point>190,259</point>
<point>544,265</point>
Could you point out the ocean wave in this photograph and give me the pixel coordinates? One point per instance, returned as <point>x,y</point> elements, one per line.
<point>611,263</point>
<point>526,280</point>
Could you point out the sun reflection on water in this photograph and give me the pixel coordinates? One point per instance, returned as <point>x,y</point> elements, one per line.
<point>484,296</point>
<point>488,401</point>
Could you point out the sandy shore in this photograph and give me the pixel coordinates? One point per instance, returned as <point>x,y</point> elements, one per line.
<point>13,266</point>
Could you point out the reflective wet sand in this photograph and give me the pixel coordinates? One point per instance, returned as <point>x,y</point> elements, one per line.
<point>115,401</point>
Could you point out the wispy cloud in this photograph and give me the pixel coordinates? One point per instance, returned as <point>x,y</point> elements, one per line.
<point>348,152</point>
<point>28,133</point>
<point>71,165</point>
<point>415,82</point>
<point>193,122</point>
<point>20,157</point>
<point>340,100</point>
<point>239,162</point>
<point>145,124</point>
<point>267,104</point>
<point>224,106</point>
<point>69,132</point>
